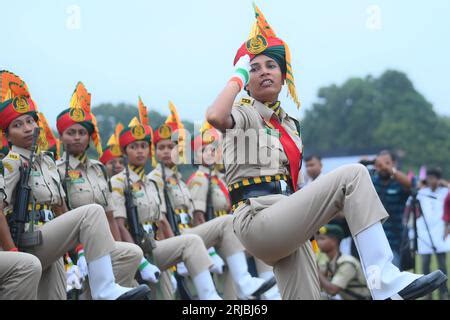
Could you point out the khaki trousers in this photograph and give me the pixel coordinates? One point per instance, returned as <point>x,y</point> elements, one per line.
<point>218,233</point>
<point>188,248</point>
<point>86,225</point>
<point>277,228</point>
<point>19,276</point>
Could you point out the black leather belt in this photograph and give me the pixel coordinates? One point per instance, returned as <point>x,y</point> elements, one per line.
<point>259,190</point>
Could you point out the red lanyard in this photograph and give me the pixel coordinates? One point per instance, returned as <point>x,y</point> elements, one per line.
<point>290,148</point>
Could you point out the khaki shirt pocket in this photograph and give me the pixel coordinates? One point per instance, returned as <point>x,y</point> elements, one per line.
<point>80,194</point>
<point>218,198</point>
<point>177,196</point>
<point>39,187</point>
<point>147,205</point>
<point>101,191</point>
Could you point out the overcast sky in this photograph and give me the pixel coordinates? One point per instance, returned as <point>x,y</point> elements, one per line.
<point>183,50</point>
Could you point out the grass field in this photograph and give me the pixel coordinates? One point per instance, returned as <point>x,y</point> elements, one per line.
<point>433,267</point>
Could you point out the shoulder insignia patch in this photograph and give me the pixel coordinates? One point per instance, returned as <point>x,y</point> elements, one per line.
<point>8,166</point>
<point>246,102</point>
<point>195,183</point>
<point>13,156</point>
<point>118,190</point>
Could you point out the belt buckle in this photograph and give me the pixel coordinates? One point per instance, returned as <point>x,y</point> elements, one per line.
<point>46,215</point>
<point>184,218</point>
<point>148,227</point>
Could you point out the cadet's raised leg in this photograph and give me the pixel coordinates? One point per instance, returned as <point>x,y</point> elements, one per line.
<point>19,276</point>
<point>218,233</point>
<point>53,282</point>
<point>190,249</point>
<point>347,189</point>
<point>86,225</point>
<point>125,260</point>
<point>266,272</point>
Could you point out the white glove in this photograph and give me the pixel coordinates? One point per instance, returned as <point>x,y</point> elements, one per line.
<point>82,264</point>
<point>217,267</point>
<point>73,278</point>
<point>182,270</point>
<point>149,272</point>
<point>241,73</point>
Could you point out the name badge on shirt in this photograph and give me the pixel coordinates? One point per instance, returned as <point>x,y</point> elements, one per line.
<point>273,132</point>
<point>138,194</point>
<point>35,173</point>
<point>78,181</point>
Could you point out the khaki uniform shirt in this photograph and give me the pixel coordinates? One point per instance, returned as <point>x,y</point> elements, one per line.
<point>178,193</point>
<point>45,183</point>
<point>87,183</point>
<point>145,196</point>
<point>345,272</point>
<point>263,153</point>
<point>198,186</point>
<point>2,183</point>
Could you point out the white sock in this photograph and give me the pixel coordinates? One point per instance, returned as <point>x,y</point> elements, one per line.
<point>383,278</point>
<point>205,286</point>
<point>245,283</point>
<point>101,280</point>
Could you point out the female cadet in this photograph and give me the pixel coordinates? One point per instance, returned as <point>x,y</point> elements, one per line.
<point>209,193</point>
<point>112,156</point>
<point>86,225</point>
<point>275,227</point>
<point>20,272</point>
<point>215,233</point>
<point>86,180</point>
<point>135,144</point>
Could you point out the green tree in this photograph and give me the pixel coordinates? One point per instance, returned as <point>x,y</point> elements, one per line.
<point>365,115</point>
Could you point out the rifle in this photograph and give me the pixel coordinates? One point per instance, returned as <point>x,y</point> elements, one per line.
<point>209,206</point>
<point>66,179</point>
<point>20,210</point>
<point>145,240</point>
<point>184,293</point>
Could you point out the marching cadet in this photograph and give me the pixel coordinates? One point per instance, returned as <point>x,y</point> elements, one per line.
<point>218,232</point>
<point>272,223</point>
<point>19,272</point>
<point>342,274</point>
<point>210,193</point>
<point>169,250</point>
<point>87,182</point>
<point>54,236</point>
<point>112,156</point>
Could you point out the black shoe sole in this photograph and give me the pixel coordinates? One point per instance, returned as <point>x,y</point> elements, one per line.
<point>439,280</point>
<point>264,287</point>
<point>139,293</point>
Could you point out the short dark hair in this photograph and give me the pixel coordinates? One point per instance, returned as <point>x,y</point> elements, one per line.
<point>436,172</point>
<point>313,156</point>
<point>389,153</point>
